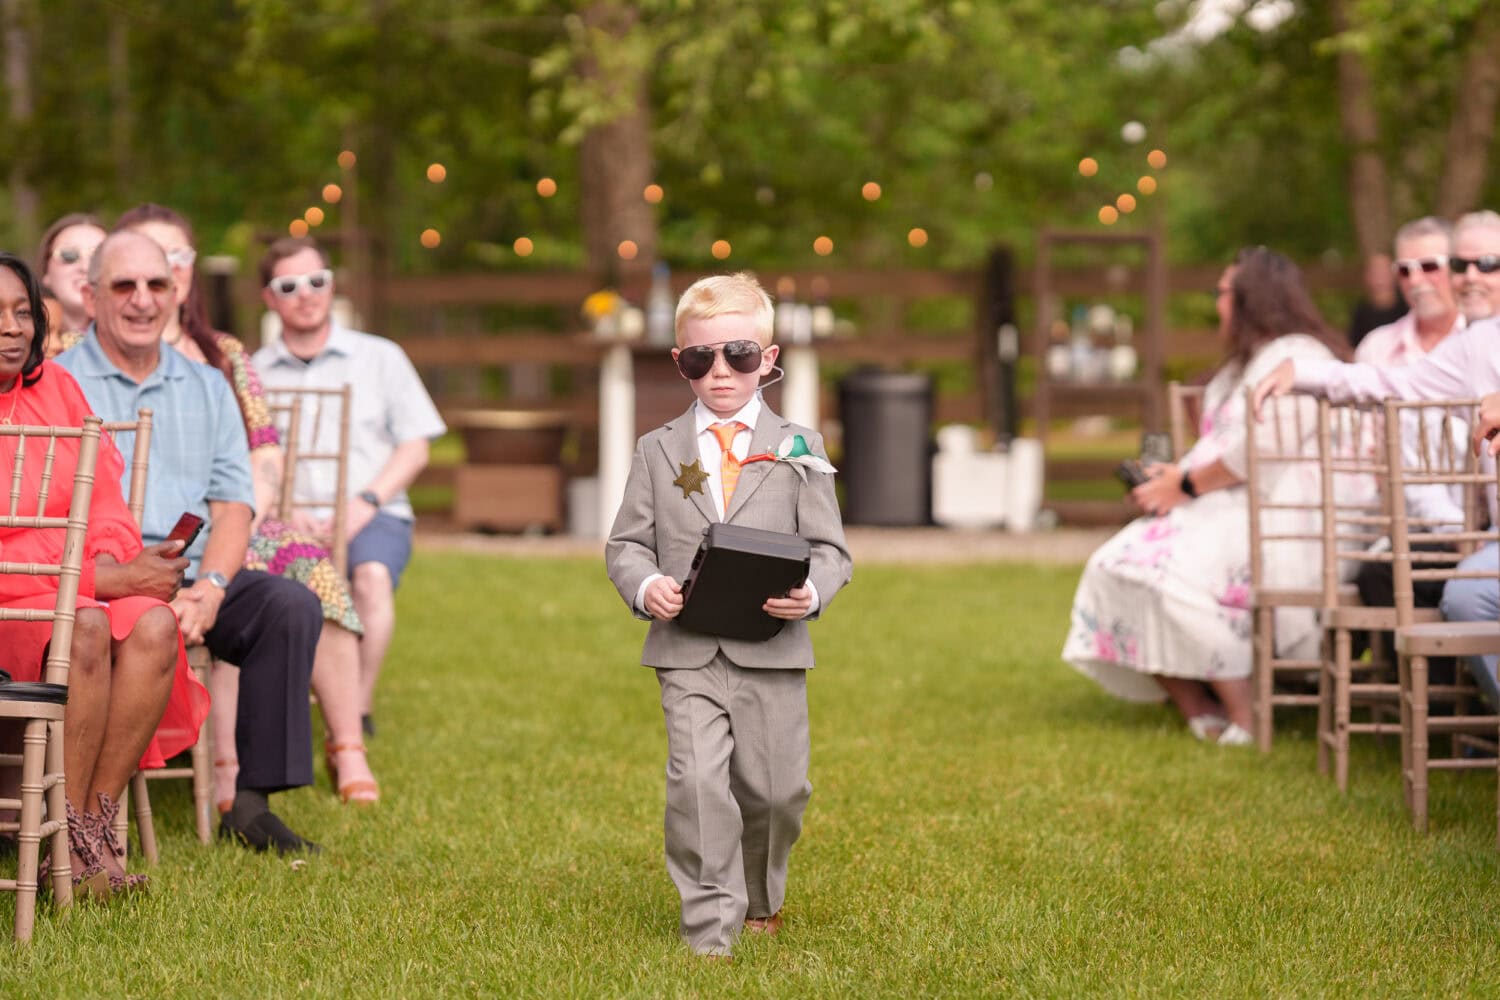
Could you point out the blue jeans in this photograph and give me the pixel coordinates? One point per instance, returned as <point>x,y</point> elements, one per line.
<point>1477,601</point>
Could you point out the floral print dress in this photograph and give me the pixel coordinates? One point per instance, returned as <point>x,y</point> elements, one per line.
<point>1170,595</point>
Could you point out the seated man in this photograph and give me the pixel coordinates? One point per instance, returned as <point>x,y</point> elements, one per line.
<point>200,464</point>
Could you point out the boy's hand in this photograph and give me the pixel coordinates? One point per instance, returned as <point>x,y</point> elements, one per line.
<point>663,598</point>
<point>793,607</point>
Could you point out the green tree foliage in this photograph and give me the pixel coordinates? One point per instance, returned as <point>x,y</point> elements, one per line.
<point>768,116</point>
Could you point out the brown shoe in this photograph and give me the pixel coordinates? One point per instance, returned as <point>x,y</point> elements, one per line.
<point>764,925</point>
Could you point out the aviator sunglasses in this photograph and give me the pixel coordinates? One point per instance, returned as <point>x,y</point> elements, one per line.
<point>290,284</point>
<point>741,355</point>
<point>1427,265</point>
<point>1488,263</point>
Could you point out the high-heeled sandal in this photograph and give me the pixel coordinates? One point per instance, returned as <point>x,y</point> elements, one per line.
<point>91,881</point>
<point>224,805</point>
<point>100,828</point>
<point>363,791</point>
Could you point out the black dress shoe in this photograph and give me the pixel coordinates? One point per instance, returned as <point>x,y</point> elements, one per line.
<point>264,832</point>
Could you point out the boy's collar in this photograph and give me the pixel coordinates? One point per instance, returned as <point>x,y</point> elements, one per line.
<point>749,414</point>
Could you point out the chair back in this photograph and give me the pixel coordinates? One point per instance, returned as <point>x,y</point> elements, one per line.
<point>75,526</point>
<point>1427,446</point>
<point>1284,495</point>
<point>1356,512</point>
<point>140,458</point>
<point>315,438</point>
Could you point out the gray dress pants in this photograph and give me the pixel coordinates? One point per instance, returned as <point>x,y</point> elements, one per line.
<point>737,756</point>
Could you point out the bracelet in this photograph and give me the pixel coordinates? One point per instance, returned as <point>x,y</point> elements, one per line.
<point>1187,484</point>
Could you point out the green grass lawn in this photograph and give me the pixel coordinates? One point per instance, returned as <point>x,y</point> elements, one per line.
<point>983,822</point>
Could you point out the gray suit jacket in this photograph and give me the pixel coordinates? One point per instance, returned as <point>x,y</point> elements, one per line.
<point>658,530</point>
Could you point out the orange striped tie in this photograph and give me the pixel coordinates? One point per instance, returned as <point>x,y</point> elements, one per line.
<point>729,466</point>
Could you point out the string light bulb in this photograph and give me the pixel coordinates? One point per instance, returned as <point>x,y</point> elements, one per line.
<point>313,216</point>
<point>653,194</point>
<point>347,159</point>
<point>871,191</point>
<point>1157,159</point>
<point>523,246</point>
<point>917,237</point>
<point>822,246</point>
<point>332,193</point>
<point>627,250</point>
<point>437,173</point>
<point>720,249</point>
<point>1146,185</point>
<point>1088,166</point>
<point>431,238</point>
<point>546,187</point>
<point>1108,215</point>
<point>1126,203</point>
<point>298,228</point>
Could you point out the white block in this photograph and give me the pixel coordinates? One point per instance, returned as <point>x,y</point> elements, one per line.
<point>969,489</point>
<point>1023,496</point>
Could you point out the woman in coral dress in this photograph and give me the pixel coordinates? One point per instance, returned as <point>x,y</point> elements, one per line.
<point>132,699</point>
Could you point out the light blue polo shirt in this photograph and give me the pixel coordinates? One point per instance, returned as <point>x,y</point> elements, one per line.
<point>198,447</point>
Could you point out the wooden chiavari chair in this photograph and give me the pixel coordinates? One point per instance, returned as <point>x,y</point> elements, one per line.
<point>40,706</point>
<point>1417,642</point>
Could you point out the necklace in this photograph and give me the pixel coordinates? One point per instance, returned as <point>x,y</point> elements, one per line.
<point>15,397</point>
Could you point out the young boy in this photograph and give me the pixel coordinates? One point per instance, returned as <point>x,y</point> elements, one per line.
<point>736,711</point>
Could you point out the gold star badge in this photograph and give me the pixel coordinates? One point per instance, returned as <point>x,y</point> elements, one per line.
<point>692,478</point>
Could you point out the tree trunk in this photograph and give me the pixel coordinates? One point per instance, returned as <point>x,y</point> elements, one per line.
<point>615,156</point>
<point>1470,134</point>
<point>1369,190</point>
<point>18,29</point>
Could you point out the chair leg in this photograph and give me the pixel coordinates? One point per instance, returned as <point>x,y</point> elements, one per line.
<point>203,784</point>
<point>1403,703</point>
<point>1325,703</point>
<point>1263,651</point>
<point>145,828</point>
<point>29,837</point>
<point>1343,672</point>
<point>1419,747</point>
<point>57,805</point>
<point>122,819</point>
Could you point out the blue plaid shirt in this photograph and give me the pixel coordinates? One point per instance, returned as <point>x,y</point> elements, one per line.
<point>198,446</point>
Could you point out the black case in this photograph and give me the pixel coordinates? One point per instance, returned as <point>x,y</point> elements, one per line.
<point>735,570</point>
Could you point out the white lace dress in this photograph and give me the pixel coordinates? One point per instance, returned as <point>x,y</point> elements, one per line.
<point>1171,595</point>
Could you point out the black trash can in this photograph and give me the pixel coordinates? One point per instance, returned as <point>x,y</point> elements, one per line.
<point>887,468</point>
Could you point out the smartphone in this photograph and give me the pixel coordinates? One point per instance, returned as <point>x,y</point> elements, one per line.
<point>1130,473</point>
<point>186,530</point>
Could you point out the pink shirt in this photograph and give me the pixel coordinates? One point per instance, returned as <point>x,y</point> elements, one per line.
<point>1396,343</point>
<point>1465,365</point>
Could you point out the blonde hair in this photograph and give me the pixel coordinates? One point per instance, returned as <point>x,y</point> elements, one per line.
<point>721,294</point>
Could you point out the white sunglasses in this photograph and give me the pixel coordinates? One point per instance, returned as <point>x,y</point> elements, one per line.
<point>288,285</point>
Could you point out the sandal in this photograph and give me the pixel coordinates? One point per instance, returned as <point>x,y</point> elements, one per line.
<point>90,881</point>
<point>100,829</point>
<point>224,805</point>
<point>364,791</point>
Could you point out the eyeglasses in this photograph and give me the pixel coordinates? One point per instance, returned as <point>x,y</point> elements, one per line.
<point>290,284</point>
<point>1427,265</point>
<point>124,288</point>
<point>1488,263</point>
<point>182,257</point>
<point>741,355</point>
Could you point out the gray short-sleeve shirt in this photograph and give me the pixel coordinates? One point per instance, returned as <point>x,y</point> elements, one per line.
<point>389,405</point>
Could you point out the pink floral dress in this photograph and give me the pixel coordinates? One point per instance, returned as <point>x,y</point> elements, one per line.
<point>1171,595</point>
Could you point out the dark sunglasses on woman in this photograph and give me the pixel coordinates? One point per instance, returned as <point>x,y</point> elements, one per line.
<point>741,355</point>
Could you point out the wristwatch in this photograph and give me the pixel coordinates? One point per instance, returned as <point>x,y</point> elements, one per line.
<point>217,579</point>
<point>1187,484</point>
<point>370,497</point>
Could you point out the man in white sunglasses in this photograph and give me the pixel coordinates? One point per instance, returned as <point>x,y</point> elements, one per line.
<point>391,421</point>
<point>1475,264</point>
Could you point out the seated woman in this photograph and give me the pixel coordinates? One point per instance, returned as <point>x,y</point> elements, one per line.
<point>132,701</point>
<point>63,265</point>
<point>275,547</point>
<point>1162,610</point>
